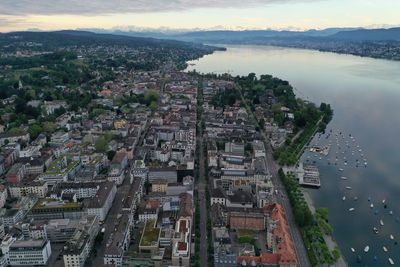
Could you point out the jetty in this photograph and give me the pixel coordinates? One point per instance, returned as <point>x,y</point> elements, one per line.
<point>308,175</point>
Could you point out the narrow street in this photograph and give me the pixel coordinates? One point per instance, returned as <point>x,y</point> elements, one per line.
<point>201,187</point>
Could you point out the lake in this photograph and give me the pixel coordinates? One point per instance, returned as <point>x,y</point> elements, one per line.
<point>365,96</point>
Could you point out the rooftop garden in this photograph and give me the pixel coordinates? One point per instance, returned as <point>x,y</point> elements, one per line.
<point>57,167</point>
<point>49,203</point>
<point>150,234</point>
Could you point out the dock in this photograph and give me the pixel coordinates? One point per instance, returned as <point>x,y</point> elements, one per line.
<point>321,150</point>
<point>308,175</point>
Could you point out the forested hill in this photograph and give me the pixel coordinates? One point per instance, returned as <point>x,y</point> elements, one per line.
<point>52,40</point>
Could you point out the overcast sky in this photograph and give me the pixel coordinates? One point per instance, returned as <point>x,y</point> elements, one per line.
<point>197,14</point>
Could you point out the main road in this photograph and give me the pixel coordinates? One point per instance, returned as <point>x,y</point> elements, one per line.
<point>201,184</point>
<point>282,198</point>
<point>201,187</point>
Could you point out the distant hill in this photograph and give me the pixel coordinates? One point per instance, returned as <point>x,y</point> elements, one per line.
<point>221,35</point>
<point>392,34</point>
<point>70,37</point>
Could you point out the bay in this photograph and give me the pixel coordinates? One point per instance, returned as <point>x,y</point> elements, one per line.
<point>365,96</point>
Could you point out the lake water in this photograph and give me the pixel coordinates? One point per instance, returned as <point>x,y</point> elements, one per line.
<point>365,96</point>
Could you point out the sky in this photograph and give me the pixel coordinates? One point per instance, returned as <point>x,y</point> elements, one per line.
<point>197,14</point>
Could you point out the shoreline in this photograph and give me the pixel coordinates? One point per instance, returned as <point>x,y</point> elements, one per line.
<point>329,240</point>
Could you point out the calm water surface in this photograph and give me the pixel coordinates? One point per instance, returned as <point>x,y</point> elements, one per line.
<point>365,96</point>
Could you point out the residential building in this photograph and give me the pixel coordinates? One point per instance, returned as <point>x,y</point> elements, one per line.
<point>3,196</point>
<point>50,208</point>
<point>77,250</point>
<point>101,203</point>
<point>16,173</point>
<point>29,188</point>
<point>29,253</point>
<point>118,243</point>
<point>9,217</point>
<point>14,138</point>
<point>167,173</point>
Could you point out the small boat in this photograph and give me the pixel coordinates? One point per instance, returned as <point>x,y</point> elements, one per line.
<point>351,209</point>
<point>343,178</point>
<point>375,230</point>
<point>343,198</point>
<point>371,206</point>
<point>391,261</point>
<point>352,250</point>
<point>341,169</point>
<point>391,237</point>
<point>348,187</point>
<point>391,212</point>
<point>384,201</point>
<point>366,249</point>
<point>381,222</point>
<point>355,198</point>
<point>385,249</point>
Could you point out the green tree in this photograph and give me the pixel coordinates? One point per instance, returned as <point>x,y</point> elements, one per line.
<point>153,105</point>
<point>15,130</point>
<point>101,144</point>
<point>49,127</point>
<point>35,130</point>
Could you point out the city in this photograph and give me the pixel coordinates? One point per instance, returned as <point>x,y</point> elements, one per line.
<point>199,133</point>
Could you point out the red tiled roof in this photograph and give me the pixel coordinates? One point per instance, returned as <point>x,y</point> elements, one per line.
<point>182,246</point>
<point>182,226</point>
<point>285,247</point>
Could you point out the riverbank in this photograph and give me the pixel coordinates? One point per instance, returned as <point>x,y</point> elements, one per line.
<point>330,242</point>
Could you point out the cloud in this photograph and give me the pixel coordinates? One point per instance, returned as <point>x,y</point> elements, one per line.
<point>6,21</point>
<point>100,7</point>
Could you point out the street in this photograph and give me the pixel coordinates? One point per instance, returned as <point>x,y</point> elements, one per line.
<point>273,168</point>
<point>301,250</point>
<point>203,208</point>
<point>97,259</point>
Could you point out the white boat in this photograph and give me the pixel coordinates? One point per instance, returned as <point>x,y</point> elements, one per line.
<point>351,209</point>
<point>366,249</point>
<point>385,249</point>
<point>381,222</point>
<point>348,187</point>
<point>341,169</point>
<point>391,237</point>
<point>371,206</point>
<point>343,198</point>
<point>384,201</point>
<point>391,212</point>
<point>375,230</point>
<point>343,178</point>
<point>391,261</point>
<point>352,250</point>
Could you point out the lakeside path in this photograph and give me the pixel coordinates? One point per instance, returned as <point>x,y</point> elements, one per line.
<point>330,242</point>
